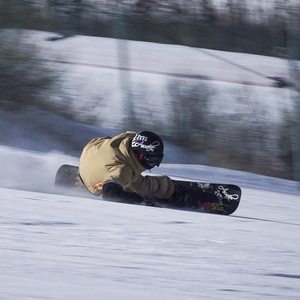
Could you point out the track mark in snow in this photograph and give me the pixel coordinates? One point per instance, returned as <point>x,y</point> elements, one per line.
<point>178,222</point>
<point>47,223</point>
<point>265,220</point>
<point>230,290</point>
<point>283,275</point>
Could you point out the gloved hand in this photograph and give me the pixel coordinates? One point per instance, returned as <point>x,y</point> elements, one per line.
<point>178,197</point>
<point>184,196</point>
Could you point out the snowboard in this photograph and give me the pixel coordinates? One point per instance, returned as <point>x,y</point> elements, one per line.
<point>215,198</point>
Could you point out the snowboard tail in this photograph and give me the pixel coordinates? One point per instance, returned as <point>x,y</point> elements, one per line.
<point>67,176</point>
<point>210,197</point>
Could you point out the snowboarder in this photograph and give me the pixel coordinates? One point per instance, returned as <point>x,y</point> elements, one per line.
<point>113,166</point>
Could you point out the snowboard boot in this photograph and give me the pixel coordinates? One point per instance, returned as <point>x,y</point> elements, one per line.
<point>150,200</point>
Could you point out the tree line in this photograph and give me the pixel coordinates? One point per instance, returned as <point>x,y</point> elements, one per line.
<point>230,25</point>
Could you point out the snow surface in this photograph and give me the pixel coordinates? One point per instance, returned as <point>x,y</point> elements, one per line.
<point>64,247</point>
<point>56,246</point>
<point>93,85</point>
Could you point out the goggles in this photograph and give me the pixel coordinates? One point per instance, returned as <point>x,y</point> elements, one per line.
<point>153,160</point>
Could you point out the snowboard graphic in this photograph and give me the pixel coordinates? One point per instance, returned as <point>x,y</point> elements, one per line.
<point>211,197</point>
<point>214,197</point>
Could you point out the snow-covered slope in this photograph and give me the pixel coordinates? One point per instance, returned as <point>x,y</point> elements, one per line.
<point>61,247</point>
<point>56,246</point>
<point>65,247</point>
<point>95,73</point>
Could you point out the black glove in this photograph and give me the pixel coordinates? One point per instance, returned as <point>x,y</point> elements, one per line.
<point>178,197</point>
<point>184,196</point>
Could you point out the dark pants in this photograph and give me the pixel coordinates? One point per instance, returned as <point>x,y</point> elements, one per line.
<point>114,192</point>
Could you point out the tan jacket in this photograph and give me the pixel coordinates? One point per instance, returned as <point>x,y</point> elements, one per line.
<point>106,159</point>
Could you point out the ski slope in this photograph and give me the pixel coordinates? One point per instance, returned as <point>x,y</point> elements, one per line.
<point>64,247</point>
<point>56,246</point>
<point>94,72</point>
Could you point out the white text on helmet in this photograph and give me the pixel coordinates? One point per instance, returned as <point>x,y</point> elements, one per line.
<point>140,138</point>
<point>147,147</point>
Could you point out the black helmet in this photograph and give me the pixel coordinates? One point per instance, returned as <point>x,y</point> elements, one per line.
<point>149,148</point>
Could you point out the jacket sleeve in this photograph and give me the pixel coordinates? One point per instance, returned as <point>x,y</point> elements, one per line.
<point>159,186</point>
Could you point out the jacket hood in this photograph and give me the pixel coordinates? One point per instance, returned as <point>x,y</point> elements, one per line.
<point>124,152</point>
